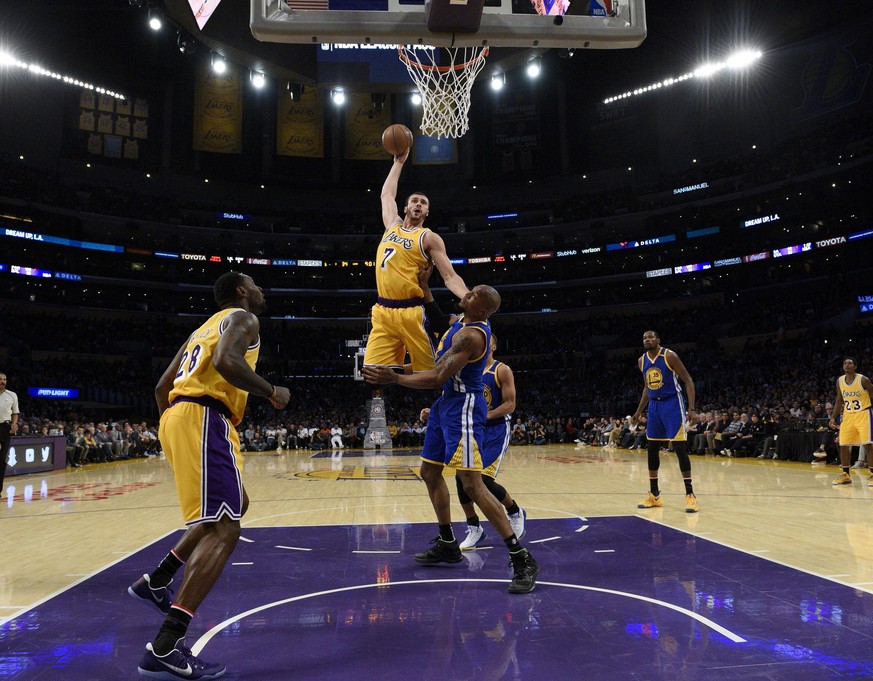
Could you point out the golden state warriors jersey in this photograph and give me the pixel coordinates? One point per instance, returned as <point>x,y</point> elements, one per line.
<point>469,378</point>
<point>398,259</point>
<point>855,398</point>
<point>493,392</point>
<point>196,377</point>
<point>659,376</point>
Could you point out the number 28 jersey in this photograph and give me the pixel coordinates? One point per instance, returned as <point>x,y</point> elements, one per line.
<point>855,397</point>
<point>398,259</point>
<point>195,375</point>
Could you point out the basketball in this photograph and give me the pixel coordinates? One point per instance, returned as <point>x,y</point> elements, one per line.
<point>397,139</point>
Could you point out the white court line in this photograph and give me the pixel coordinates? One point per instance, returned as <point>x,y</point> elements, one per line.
<point>201,643</point>
<point>375,551</point>
<point>242,563</point>
<point>540,541</point>
<point>604,550</point>
<point>583,528</point>
<point>772,560</point>
<point>33,605</point>
<point>247,540</point>
<point>292,548</point>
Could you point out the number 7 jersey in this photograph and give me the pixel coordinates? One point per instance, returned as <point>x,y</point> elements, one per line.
<point>398,259</point>
<point>197,377</point>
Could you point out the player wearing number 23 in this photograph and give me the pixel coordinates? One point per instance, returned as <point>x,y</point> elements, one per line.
<point>853,401</point>
<point>407,246</point>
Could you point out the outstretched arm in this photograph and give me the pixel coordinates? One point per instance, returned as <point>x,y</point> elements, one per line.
<point>436,251</point>
<point>466,343</point>
<point>439,321</point>
<point>389,191</point>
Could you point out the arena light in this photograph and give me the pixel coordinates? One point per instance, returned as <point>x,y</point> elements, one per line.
<point>185,42</point>
<point>534,68</point>
<point>156,18</point>
<point>8,60</point>
<point>257,79</point>
<point>743,58</point>
<point>338,96</point>
<point>738,60</point>
<point>416,99</point>
<point>498,81</point>
<point>219,66</point>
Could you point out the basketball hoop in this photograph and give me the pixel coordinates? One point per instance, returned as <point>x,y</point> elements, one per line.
<point>445,88</point>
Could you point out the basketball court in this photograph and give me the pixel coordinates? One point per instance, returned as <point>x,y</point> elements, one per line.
<point>771,580</point>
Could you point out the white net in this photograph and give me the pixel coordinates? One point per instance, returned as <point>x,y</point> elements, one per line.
<point>444,77</point>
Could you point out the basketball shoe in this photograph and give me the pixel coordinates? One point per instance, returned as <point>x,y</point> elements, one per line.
<point>161,597</point>
<point>516,522</point>
<point>844,479</point>
<point>475,536</point>
<point>651,501</point>
<point>440,552</point>
<point>524,572</point>
<point>179,663</point>
<point>691,504</point>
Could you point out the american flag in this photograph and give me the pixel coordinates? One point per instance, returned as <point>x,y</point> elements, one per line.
<point>307,4</point>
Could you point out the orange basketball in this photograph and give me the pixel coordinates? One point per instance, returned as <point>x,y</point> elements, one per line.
<point>397,139</point>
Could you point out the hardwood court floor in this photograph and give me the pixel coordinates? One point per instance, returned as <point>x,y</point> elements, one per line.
<point>59,528</point>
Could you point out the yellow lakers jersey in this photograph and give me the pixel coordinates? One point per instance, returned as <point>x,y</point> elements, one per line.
<point>398,259</point>
<point>196,377</point>
<point>855,398</point>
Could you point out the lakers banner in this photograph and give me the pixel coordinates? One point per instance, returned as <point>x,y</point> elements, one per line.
<point>364,126</point>
<point>218,110</point>
<point>430,150</point>
<point>300,124</point>
<point>516,123</point>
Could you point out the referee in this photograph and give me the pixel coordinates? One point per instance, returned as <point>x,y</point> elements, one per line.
<point>8,423</point>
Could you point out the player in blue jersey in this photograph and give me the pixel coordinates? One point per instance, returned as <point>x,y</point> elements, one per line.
<point>662,372</point>
<point>499,383</point>
<point>455,432</point>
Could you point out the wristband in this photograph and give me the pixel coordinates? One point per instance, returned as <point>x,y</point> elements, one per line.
<point>273,393</point>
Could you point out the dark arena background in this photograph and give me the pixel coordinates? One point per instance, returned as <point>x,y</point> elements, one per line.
<point>619,191</point>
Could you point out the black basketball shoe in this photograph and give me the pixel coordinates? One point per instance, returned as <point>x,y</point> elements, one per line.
<point>440,552</point>
<point>525,571</point>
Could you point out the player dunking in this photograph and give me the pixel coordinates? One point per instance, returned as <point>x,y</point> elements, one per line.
<point>201,398</point>
<point>662,370</point>
<point>455,432</point>
<point>406,247</point>
<point>854,392</point>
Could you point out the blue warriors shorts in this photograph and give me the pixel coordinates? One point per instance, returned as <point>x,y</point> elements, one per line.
<point>856,428</point>
<point>397,331</point>
<point>203,449</point>
<point>455,433</point>
<point>496,442</point>
<point>666,419</point>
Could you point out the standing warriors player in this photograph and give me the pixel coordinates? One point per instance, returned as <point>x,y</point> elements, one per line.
<point>662,370</point>
<point>8,423</point>
<point>405,248</point>
<point>456,431</point>
<point>201,398</point>
<point>854,392</point>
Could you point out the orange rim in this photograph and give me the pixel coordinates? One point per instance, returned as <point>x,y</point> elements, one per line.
<point>439,69</point>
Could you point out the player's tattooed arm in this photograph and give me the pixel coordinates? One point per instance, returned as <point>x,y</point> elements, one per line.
<point>466,344</point>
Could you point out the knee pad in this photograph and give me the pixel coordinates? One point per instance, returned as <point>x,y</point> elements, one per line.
<point>494,487</point>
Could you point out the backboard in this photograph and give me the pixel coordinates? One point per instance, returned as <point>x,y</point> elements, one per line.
<point>576,24</point>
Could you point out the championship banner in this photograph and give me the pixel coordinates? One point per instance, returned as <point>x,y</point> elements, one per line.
<point>300,125</point>
<point>218,110</point>
<point>428,150</point>
<point>364,127</point>
<point>516,123</point>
